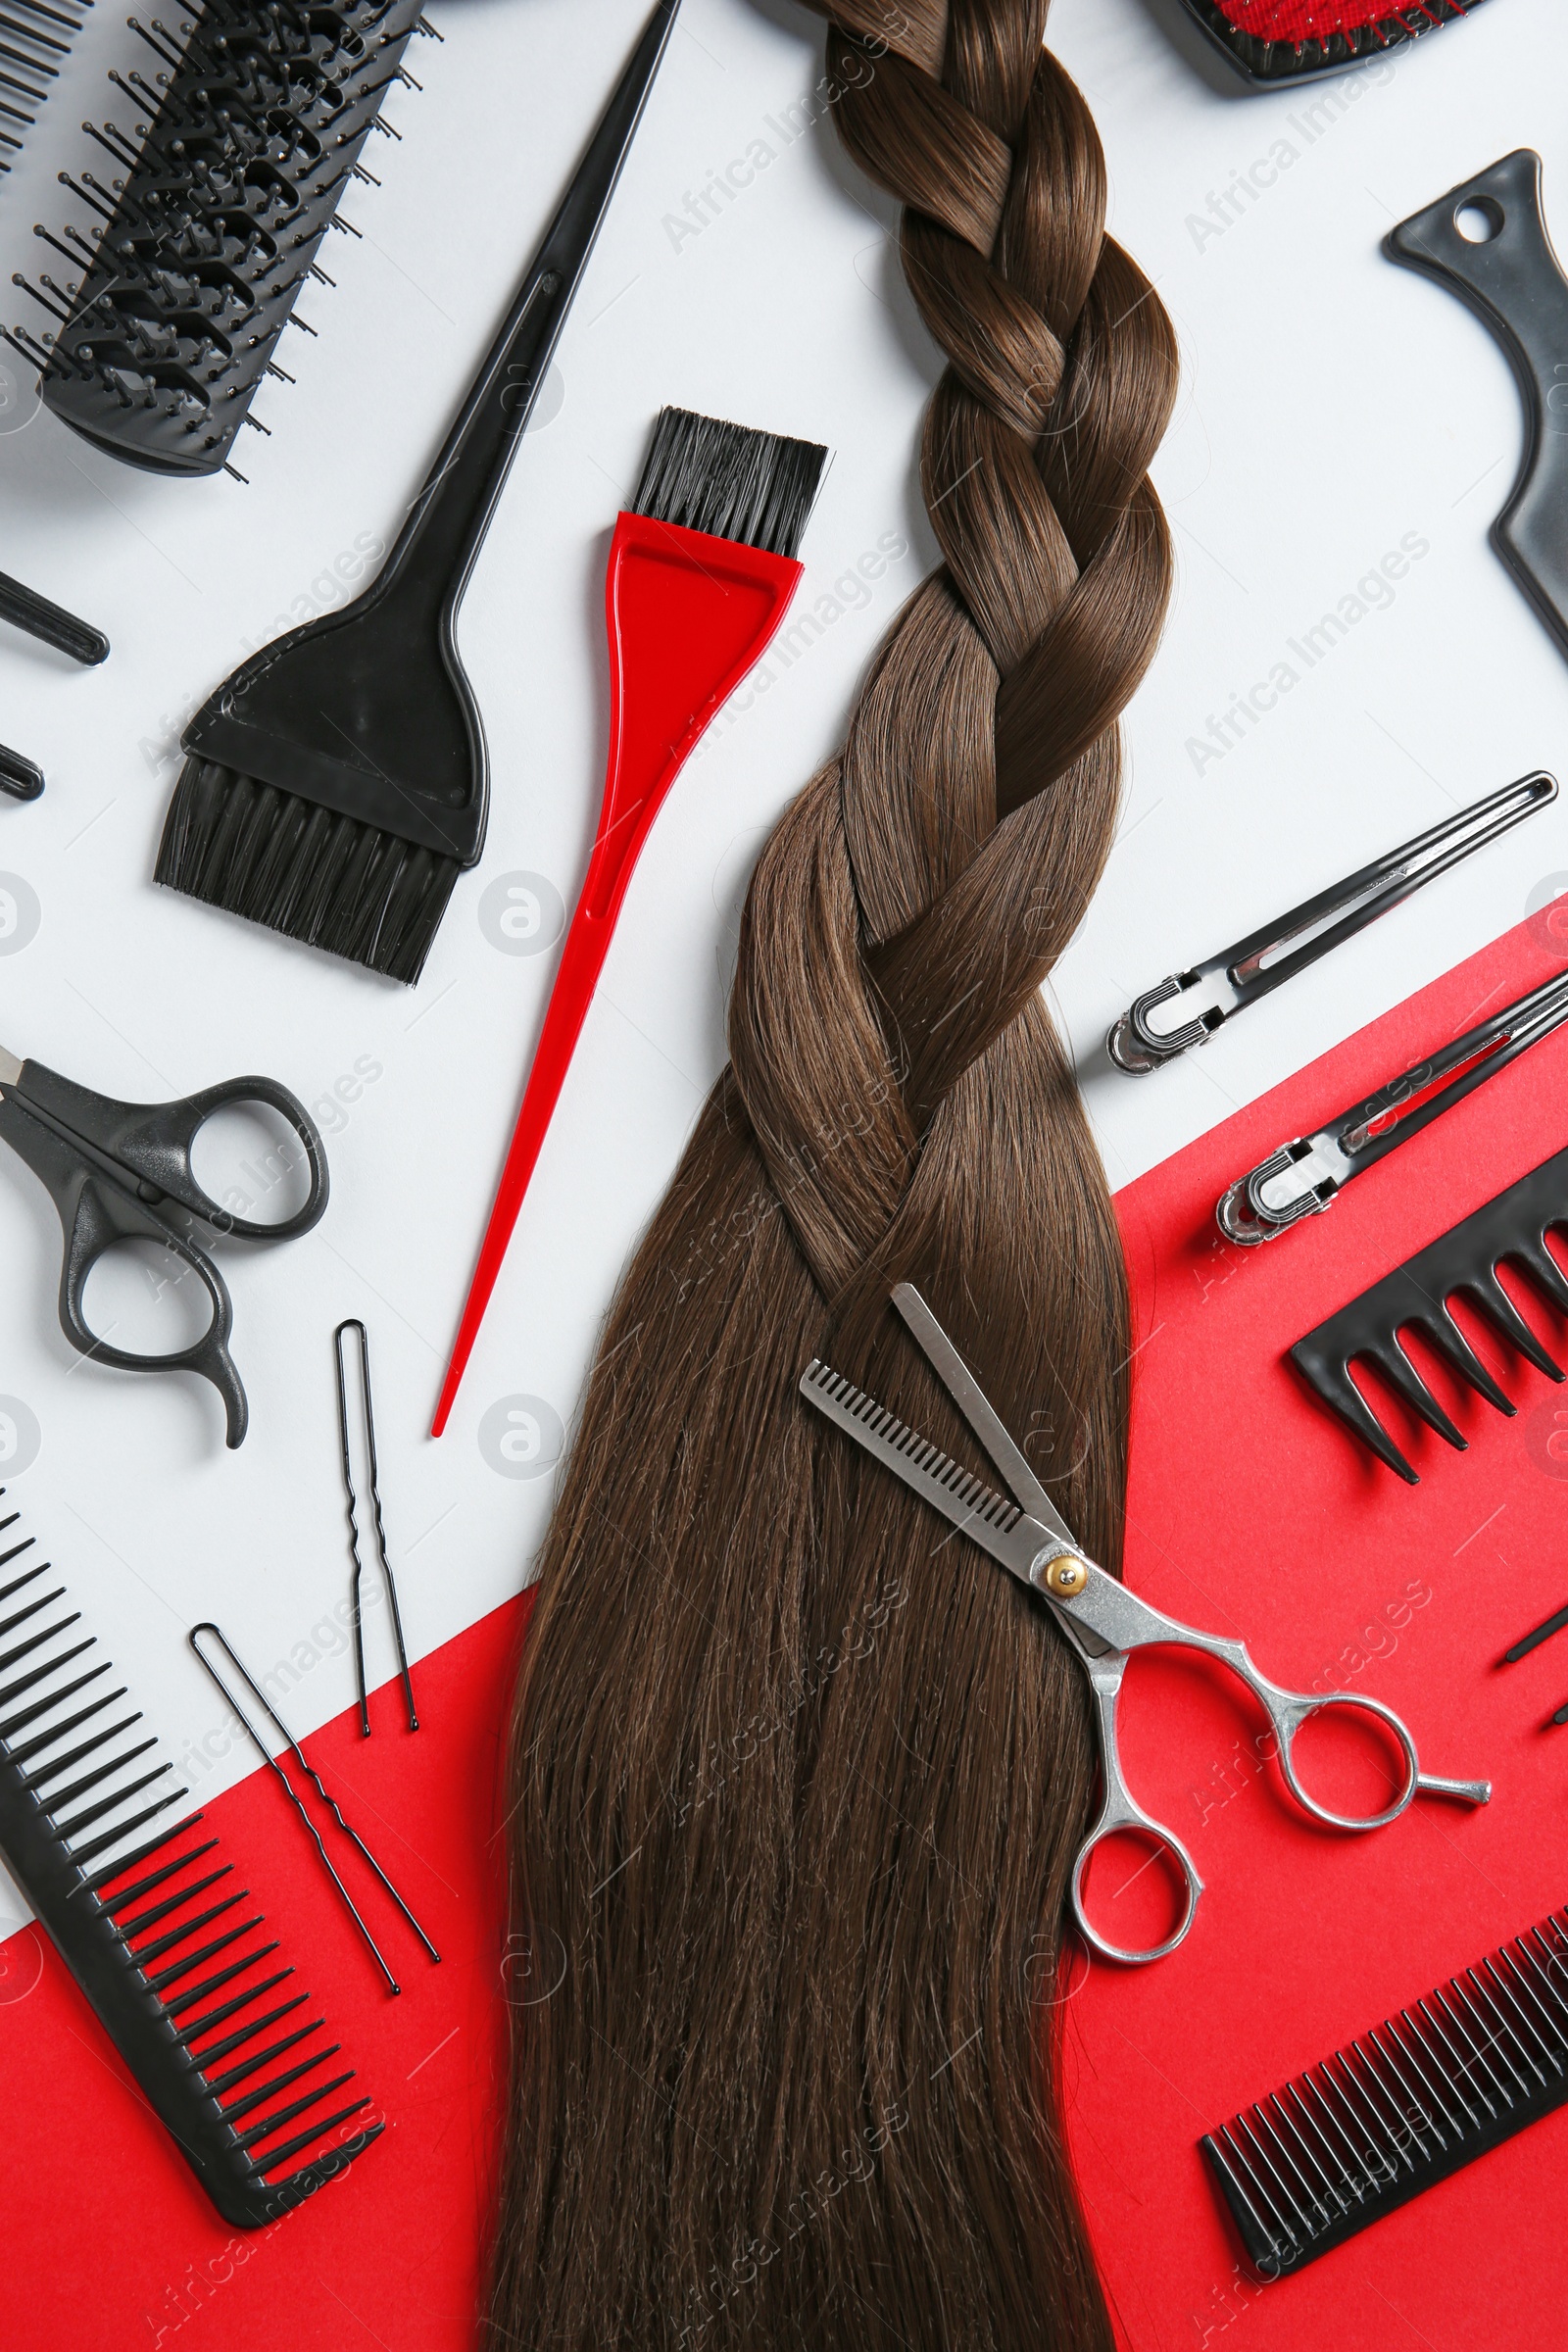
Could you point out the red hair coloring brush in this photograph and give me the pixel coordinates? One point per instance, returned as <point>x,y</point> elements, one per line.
<point>702,573</point>
<point>1275,41</point>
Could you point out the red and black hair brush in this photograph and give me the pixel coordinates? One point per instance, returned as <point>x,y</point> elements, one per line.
<point>1275,41</point>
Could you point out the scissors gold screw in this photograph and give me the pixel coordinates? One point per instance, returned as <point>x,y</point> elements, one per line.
<point>1104,1623</point>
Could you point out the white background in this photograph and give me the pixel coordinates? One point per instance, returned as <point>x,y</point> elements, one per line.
<point>1331,404</point>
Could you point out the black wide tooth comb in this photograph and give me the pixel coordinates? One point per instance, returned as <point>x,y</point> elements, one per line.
<point>1400,2107</point>
<point>211,222</point>
<point>182,1983</point>
<point>1463,1264</point>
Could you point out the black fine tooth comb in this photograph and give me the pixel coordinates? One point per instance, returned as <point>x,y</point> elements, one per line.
<point>1463,1264</point>
<point>182,1985</point>
<point>1400,2107</point>
<point>210,223</point>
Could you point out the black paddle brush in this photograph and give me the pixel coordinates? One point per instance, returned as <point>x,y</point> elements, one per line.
<point>336,786</point>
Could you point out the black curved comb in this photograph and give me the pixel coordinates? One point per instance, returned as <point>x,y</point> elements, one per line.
<point>1463,1262</point>
<point>183,1985</point>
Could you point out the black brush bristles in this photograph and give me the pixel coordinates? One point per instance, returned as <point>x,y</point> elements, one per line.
<point>706,475</point>
<point>314,875</point>
<point>216,213</point>
<point>164,1966</point>
<point>45,31</point>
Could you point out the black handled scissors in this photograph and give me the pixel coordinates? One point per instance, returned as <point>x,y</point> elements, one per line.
<point>122,1171</point>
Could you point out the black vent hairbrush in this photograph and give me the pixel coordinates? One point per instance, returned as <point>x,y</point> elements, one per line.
<point>336,786</point>
<point>1400,2108</point>
<point>37,38</point>
<point>209,227</point>
<point>1463,1262</point>
<point>175,1959</point>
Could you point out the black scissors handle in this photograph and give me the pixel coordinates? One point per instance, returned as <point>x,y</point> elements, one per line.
<point>122,1171</point>
<point>147,1147</point>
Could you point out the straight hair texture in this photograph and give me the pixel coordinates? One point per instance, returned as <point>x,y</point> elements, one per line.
<point>798,1775</point>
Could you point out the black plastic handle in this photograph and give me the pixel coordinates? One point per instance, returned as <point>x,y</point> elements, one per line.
<point>122,1171</point>
<point>21,778</point>
<point>437,546</point>
<point>25,609</point>
<point>147,1147</point>
<point>94,1215</point>
<point>1514,281</point>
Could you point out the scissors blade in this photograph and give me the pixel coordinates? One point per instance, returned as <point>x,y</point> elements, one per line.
<point>978,1410</point>
<point>10,1068</point>
<point>998,1525</point>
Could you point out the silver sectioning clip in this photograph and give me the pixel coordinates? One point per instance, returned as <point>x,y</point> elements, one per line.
<point>1305,1176</point>
<point>1261,963</point>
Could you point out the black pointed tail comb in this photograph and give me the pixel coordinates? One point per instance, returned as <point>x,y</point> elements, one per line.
<point>179,1966</point>
<point>1463,1262</point>
<point>1401,2107</point>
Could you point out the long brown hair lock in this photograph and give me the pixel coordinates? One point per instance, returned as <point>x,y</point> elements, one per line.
<point>797,1777</point>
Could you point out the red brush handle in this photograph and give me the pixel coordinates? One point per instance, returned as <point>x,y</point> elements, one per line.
<point>688,616</point>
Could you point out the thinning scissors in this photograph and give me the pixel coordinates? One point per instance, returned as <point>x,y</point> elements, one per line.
<point>123,1172</point>
<point>1104,1622</point>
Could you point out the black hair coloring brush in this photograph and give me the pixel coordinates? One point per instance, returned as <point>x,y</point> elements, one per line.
<point>336,786</point>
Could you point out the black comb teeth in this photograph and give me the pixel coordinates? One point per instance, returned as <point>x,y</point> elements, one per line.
<point>163,1968</point>
<point>1463,1264</point>
<point>252,126</point>
<point>1400,2107</point>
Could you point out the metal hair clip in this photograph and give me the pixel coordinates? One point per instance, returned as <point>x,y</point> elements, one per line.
<point>232,1659</point>
<point>1265,960</point>
<point>354,1324</point>
<point>1305,1176</point>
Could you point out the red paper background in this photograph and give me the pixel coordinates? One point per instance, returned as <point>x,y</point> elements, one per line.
<point>1250,1512</point>
<point>111,2246</point>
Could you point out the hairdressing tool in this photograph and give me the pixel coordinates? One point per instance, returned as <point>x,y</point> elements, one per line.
<point>1532,1641</point>
<point>1277,41</point>
<point>232,1659</point>
<point>123,1172</point>
<point>196,2037</point>
<point>45,33</point>
<point>1400,2107</point>
<point>1415,1296</point>
<point>1104,1623</point>
<point>702,572</point>
<point>1263,961</point>
<point>1488,242</point>
<point>354,1324</point>
<point>1303,1177</point>
<point>18,777</point>
<point>336,785</point>
<point>211,225</point>
<point>51,623</point>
